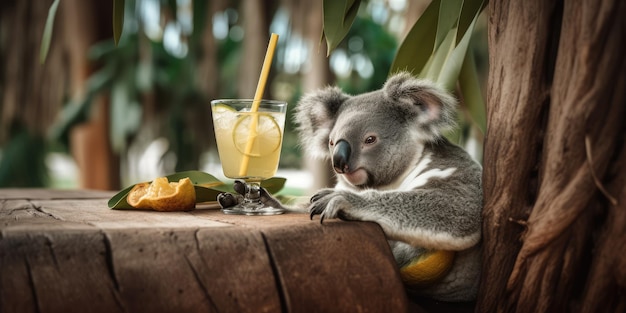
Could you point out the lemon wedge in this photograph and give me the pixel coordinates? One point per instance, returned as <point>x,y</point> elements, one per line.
<point>428,268</point>
<point>162,195</point>
<point>268,136</point>
<point>221,108</point>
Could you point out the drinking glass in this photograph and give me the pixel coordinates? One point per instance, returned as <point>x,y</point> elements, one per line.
<point>249,143</point>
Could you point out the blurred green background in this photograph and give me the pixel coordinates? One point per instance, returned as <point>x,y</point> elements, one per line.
<point>102,116</point>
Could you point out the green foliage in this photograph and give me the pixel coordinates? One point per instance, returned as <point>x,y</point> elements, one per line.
<point>116,75</point>
<point>22,161</point>
<point>128,76</point>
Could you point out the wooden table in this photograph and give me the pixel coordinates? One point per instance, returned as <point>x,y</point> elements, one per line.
<point>66,251</point>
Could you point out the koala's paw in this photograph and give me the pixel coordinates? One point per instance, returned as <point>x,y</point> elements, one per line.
<point>333,204</point>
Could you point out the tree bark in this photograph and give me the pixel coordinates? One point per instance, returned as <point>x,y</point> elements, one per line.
<point>554,158</point>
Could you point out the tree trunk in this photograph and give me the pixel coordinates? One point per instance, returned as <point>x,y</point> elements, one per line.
<point>86,23</point>
<point>555,158</point>
<point>256,16</point>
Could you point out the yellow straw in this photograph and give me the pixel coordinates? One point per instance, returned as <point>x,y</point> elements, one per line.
<point>258,95</point>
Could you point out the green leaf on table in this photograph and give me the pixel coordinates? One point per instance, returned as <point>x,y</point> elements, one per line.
<point>47,32</point>
<point>274,184</point>
<point>205,185</point>
<point>207,188</point>
<point>338,18</point>
<point>118,20</point>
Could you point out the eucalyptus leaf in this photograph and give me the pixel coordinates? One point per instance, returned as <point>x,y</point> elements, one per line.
<point>471,8</point>
<point>439,58</point>
<point>448,16</point>
<point>450,70</point>
<point>47,32</point>
<point>118,20</point>
<point>338,18</point>
<point>207,188</point>
<point>417,47</point>
<point>470,88</point>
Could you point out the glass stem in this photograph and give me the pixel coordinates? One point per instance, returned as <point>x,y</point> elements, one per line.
<point>253,192</point>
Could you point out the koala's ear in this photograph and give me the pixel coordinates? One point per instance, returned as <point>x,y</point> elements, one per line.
<point>315,115</point>
<point>435,108</point>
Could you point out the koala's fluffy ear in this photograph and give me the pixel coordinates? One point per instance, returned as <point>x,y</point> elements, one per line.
<point>435,108</point>
<point>315,115</point>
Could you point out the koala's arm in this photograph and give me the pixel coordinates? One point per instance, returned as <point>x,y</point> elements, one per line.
<point>446,219</point>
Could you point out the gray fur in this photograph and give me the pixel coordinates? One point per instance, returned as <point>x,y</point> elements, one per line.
<point>399,171</point>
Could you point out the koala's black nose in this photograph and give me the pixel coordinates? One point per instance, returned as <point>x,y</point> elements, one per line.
<point>341,155</point>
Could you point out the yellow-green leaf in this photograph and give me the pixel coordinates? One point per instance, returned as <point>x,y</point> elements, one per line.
<point>450,70</point>
<point>439,58</point>
<point>470,89</point>
<point>118,20</point>
<point>47,32</point>
<point>448,16</point>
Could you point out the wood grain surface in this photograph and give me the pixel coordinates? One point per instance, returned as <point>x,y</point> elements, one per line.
<point>65,251</point>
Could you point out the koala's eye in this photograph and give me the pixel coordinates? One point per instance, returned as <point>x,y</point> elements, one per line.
<point>331,143</point>
<point>370,140</point>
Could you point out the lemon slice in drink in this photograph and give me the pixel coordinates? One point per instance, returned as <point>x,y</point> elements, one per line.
<point>224,117</point>
<point>222,108</point>
<point>268,136</point>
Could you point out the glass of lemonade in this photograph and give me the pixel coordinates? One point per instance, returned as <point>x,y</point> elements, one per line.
<point>249,145</point>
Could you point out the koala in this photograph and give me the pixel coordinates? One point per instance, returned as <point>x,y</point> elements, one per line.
<point>395,168</point>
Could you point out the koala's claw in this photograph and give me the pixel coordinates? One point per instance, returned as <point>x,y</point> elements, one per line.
<point>318,207</point>
<point>316,211</point>
<point>315,198</point>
